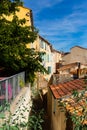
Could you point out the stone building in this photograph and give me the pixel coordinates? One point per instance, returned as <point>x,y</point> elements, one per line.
<point>76,54</point>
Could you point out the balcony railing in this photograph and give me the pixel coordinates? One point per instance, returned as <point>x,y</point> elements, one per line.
<point>10,87</point>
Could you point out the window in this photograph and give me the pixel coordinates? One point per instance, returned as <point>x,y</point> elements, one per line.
<point>45,45</point>
<point>42,44</point>
<point>49,69</point>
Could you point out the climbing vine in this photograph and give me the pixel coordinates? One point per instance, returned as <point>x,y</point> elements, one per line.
<point>76,106</point>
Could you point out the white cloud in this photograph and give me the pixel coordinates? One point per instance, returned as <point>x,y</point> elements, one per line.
<point>56,29</point>
<point>69,24</point>
<point>60,30</point>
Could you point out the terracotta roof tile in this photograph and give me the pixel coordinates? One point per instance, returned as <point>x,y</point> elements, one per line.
<point>64,89</point>
<point>75,107</point>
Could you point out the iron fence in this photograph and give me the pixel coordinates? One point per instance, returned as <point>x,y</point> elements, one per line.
<point>10,87</point>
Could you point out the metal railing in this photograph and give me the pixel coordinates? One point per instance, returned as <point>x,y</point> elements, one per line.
<point>10,87</point>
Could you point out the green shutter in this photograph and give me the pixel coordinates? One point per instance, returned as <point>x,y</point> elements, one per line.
<point>49,69</point>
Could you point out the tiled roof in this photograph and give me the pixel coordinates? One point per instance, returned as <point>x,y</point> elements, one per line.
<point>71,104</point>
<point>65,89</point>
<point>76,106</point>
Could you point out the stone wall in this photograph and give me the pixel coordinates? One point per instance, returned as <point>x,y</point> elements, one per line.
<point>77,54</point>
<point>60,78</point>
<point>21,106</point>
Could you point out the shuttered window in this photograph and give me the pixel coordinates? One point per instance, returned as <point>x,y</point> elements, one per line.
<point>49,69</point>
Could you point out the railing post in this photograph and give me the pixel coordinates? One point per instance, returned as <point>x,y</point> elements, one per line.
<point>6,85</point>
<point>0,87</point>
<point>14,87</point>
<point>23,77</point>
<point>18,82</point>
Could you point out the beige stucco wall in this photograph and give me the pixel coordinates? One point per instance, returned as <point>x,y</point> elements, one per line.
<point>67,59</point>
<point>77,54</point>
<point>56,117</point>
<point>36,44</point>
<point>48,56</point>
<point>56,58</point>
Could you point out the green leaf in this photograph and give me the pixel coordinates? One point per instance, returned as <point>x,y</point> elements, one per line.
<point>2,115</point>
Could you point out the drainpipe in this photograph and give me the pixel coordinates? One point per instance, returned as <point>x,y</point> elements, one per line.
<point>78,70</point>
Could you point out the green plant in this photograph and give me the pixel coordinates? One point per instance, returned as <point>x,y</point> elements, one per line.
<point>6,115</point>
<point>78,115</point>
<point>15,56</point>
<point>21,83</point>
<point>13,121</point>
<point>36,120</point>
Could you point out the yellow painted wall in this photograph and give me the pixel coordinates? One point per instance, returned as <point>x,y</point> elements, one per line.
<point>22,13</point>
<point>57,119</point>
<point>29,22</point>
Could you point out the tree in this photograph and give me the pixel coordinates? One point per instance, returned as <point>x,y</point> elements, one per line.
<point>14,36</point>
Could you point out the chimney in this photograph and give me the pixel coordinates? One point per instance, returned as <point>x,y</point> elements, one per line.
<point>78,70</point>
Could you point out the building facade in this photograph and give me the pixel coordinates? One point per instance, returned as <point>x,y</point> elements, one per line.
<point>62,103</point>
<point>50,58</point>
<point>77,54</point>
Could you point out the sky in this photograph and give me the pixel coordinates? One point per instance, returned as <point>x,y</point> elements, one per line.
<point>63,23</point>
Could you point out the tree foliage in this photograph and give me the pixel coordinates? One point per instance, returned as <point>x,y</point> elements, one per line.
<point>14,36</point>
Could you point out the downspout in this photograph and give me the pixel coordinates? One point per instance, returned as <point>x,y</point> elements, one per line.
<point>78,70</point>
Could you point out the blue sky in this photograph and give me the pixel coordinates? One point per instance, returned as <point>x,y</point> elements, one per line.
<point>62,22</point>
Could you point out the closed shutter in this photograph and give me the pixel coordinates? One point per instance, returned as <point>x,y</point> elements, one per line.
<point>49,69</point>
